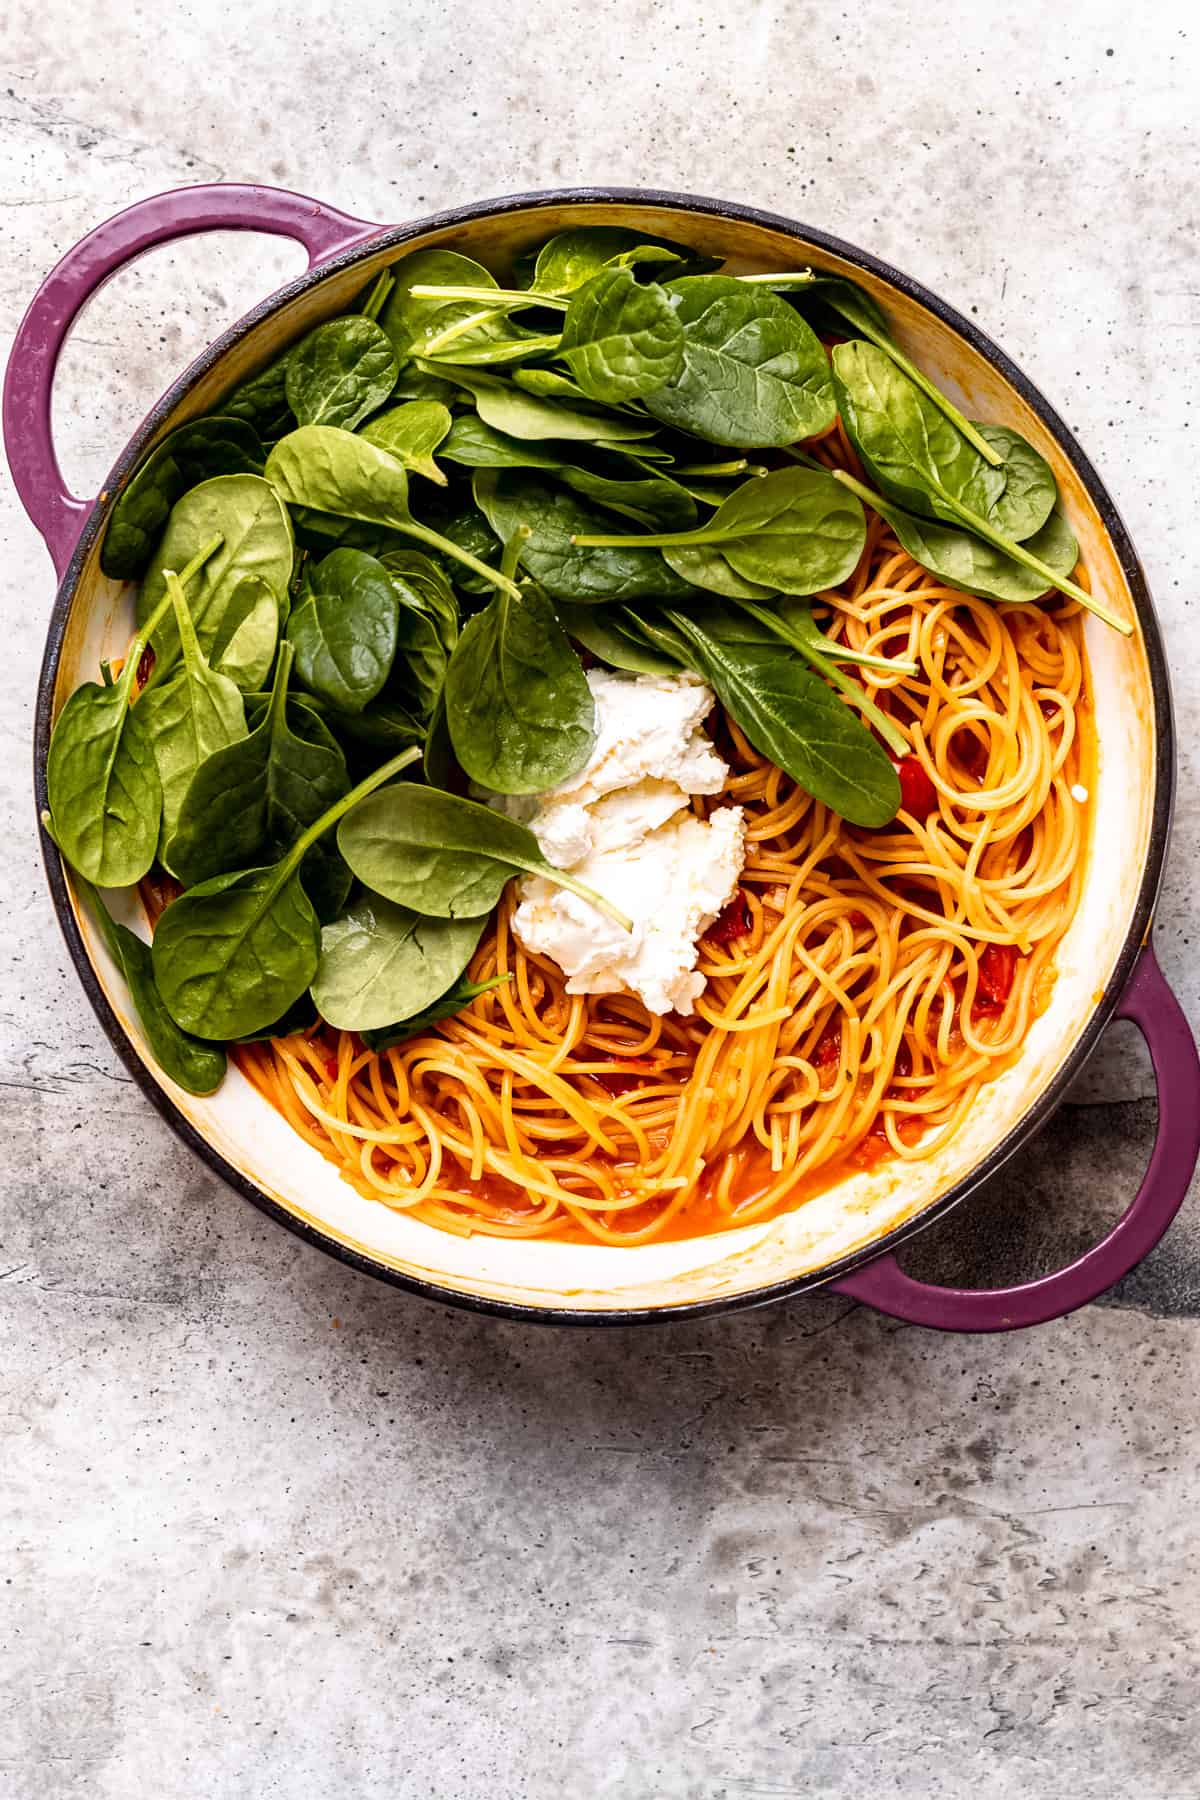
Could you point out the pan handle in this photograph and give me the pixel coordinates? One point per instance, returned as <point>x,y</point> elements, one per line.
<point>1149,1002</point>
<point>29,380</point>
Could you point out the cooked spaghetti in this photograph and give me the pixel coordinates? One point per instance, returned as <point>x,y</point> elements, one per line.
<point>861,987</point>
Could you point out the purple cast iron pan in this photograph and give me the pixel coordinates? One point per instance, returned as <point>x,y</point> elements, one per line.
<point>333,240</point>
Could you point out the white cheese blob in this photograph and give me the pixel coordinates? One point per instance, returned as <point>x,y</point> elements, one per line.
<point>622,826</point>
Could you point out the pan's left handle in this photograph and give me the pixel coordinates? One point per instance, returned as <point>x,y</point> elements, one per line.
<point>28,383</point>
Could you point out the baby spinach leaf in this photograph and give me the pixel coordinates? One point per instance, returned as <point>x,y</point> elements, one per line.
<point>524,415</point>
<point>103,787</point>
<point>101,779</point>
<point>190,454</point>
<point>256,797</point>
<point>606,633</point>
<point>256,545</point>
<point>412,433</point>
<point>341,373</point>
<point>966,562</point>
<point>706,567</point>
<point>792,717</point>
<point>426,585</point>
<point>196,1067</point>
<point>339,472</point>
<point>789,529</point>
<point>518,705</point>
<point>620,340</point>
<point>479,446</point>
<point>416,326</point>
<point>790,620</point>
<point>189,717</point>
<point>753,372</point>
<point>555,520</point>
<point>455,1000</point>
<point>380,962</point>
<point>921,461</point>
<point>572,258</point>
<point>549,384</point>
<point>656,501</point>
<point>233,954</point>
<point>422,654</point>
<point>846,302</point>
<point>444,856</point>
<point>261,401</point>
<point>345,633</point>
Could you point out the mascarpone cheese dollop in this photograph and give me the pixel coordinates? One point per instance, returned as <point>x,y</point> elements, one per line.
<point>623,826</point>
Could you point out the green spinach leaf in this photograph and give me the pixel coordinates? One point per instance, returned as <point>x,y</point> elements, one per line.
<point>556,519</point>
<point>189,717</point>
<point>455,1000</point>
<point>412,433</point>
<point>380,962</point>
<point>339,472</point>
<point>968,563</point>
<point>188,455</point>
<point>101,779</point>
<point>256,554</point>
<point>341,373</point>
<point>345,633</point>
<point>921,461</point>
<point>525,415</point>
<point>518,705</point>
<point>257,797</point>
<point>443,856</point>
<point>753,372</point>
<point>572,258</point>
<point>416,326</point>
<point>193,1065</point>
<point>788,713</point>
<point>233,954</point>
<point>606,632</point>
<point>621,340</point>
<point>790,529</point>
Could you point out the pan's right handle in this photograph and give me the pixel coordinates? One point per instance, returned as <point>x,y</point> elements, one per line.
<point>1149,1002</point>
<point>28,383</point>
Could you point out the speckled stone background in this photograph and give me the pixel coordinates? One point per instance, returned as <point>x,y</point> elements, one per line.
<point>269,1529</point>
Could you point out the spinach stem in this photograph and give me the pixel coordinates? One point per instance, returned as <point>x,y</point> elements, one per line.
<point>460,328</point>
<point>513,549</point>
<point>134,655</point>
<point>820,652</point>
<point>340,808</point>
<point>500,299</point>
<point>106,674</point>
<point>436,542</point>
<point>562,879</point>
<point>943,403</point>
<point>384,282</point>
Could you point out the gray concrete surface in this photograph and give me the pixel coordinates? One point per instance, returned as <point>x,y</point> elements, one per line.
<point>269,1529</point>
